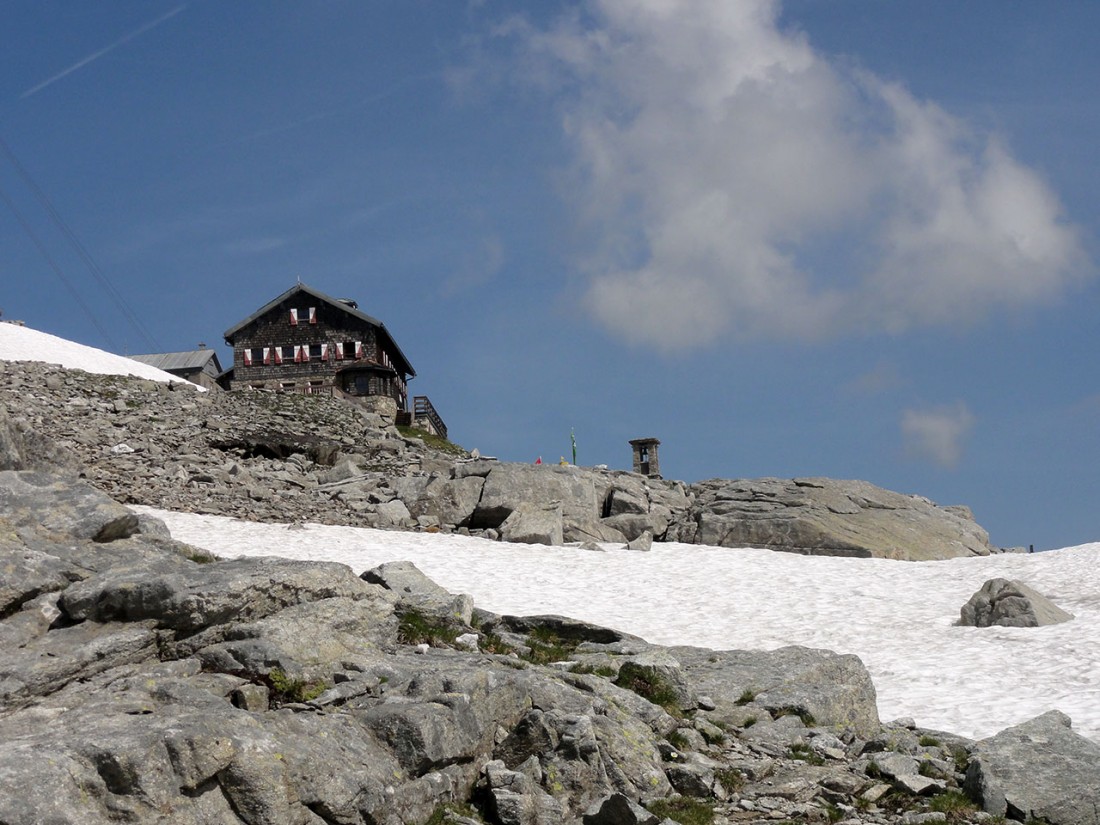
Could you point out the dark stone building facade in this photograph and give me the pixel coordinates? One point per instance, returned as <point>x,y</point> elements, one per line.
<point>307,341</point>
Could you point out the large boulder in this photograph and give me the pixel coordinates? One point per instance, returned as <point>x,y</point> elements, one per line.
<point>206,594</point>
<point>26,574</point>
<point>451,500</point>
<point>56,656</point>
<point>23,448</point>
<point>592,531</point>
<point>303,640</point>
<point>63,507</point>
<point>509,485</point>
<point>634,525</point>
<point>415,591</point>
<point>1039,770</point>
<point>821,687</point>
<point>823,516</point>
<point>1010,603</point>
<point>533,524</point>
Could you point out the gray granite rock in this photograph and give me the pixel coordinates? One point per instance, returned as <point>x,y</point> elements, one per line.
<point>1010,603</point>
<point>163,689</point>
<point>414,590</point>
<point>282,457</point>
<point>1038,770</point>
<point>823,687</point>
<point>824,516</point>
<point>509,485</point>
<point>534,524</point>
<point>206,594</point>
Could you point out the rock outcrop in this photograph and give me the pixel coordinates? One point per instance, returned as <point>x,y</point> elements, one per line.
<point>142,680</point>
<point>270,456</point>
<point>831,517</point>
<point>1010,603</point>
<point>1038,771</point>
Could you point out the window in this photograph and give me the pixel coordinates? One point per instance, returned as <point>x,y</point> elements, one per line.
<point>256,356</point>
<point>314,352</point>
<point>288,355</point>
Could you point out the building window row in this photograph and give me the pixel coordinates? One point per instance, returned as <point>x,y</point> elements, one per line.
<point>299,353</point>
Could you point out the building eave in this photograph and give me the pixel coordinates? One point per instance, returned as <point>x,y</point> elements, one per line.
<point>232,332</point>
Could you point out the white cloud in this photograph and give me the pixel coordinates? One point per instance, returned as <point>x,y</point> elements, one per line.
<point>739,181</point>
<point>937,434</point>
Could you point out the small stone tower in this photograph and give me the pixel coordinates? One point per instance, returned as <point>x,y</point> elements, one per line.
<point>645,457</point>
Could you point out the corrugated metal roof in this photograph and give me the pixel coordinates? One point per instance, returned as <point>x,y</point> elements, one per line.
<point>320,296</point>
<point>168,361</point>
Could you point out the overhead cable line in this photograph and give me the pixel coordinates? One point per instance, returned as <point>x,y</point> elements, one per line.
<point>55,266</point>
<point>81,250</point>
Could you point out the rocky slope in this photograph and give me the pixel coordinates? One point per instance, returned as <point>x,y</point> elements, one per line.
<point>284,457</point>
<point>144,682</point>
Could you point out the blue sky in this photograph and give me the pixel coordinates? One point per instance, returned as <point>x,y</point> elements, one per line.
<point>855,239</point>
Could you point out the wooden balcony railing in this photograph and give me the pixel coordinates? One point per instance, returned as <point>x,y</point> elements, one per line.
<point>424,412</point>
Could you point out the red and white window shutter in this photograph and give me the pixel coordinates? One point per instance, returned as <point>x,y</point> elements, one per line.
<point>294,317</point>
<point>313,315</point>
<point>247,355</point>
<point>339,351</point>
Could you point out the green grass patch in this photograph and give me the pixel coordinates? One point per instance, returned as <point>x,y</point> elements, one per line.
<point>961,757</point>
<point>492,643</point>
<point>651,685</point>
<point>415,628</point>
<point>804,753</point>
<point>731,778</point>
<point>806,717</point>
<point>684,810</point>
<point>713,736</point>
<point>747,695</point>
<point>198,556</point>
<point>954,803</point>
<point>546,646</point>
<point>435,442</point>
<point>602,670</point>
<point>929,742</point>
<point>932,771</point>
<point>443,811</point>
<point>287,690</point>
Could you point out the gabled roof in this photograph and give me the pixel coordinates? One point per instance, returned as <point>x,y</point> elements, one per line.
<point>193,360</point>
<point>327,299</point>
